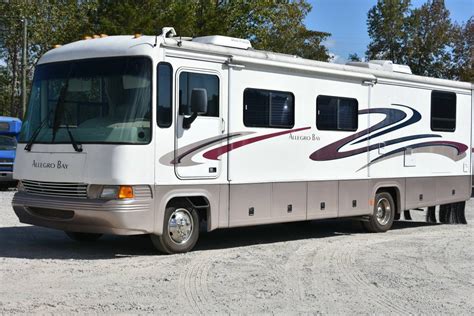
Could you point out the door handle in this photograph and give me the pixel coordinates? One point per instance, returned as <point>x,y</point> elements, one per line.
<point>222,126</point>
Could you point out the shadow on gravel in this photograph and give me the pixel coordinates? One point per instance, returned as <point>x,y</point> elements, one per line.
<point>31,242</point>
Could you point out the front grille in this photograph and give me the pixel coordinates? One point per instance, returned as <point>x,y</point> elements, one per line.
<point>60,189</point>
<point>6,164</point>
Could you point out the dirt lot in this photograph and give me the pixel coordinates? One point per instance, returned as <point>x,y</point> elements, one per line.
<point>318,267</point>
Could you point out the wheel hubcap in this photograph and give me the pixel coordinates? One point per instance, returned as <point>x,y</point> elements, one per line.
<point>383,211</point>
<point>180,226</point>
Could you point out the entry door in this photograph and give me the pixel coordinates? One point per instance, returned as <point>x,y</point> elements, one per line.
<point>208,129</point>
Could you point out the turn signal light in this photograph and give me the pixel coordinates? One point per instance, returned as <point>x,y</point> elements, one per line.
<point>125,192</point>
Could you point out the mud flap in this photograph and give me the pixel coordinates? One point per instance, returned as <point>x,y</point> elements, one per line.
<point>406,215</point>
<point>461,213</point>
<point>454,213</point>
<point>431,214</point>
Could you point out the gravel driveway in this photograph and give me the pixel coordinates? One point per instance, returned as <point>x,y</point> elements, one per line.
<point>328,267</point>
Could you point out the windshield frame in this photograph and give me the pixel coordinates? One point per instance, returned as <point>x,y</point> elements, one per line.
<point>68,142</point>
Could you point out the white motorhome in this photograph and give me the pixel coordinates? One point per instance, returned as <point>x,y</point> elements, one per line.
<point>154,134</point>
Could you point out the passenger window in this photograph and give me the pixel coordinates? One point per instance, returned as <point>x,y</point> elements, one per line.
<point>189,81</point>
<point>164,114</point>
<point>336,113</point>
<point>265,108</point>
<point>443,111</point>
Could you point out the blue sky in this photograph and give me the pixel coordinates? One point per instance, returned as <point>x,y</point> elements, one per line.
<point>346,21</point>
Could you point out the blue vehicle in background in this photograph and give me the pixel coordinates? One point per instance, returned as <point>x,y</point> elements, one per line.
<point>9,130</point>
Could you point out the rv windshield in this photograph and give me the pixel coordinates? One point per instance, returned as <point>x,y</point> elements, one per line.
<point>106,100</point>
<point>7,142</point>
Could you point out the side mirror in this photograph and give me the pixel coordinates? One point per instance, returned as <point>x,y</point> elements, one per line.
<point>198,106</point>
<point>199,101</point>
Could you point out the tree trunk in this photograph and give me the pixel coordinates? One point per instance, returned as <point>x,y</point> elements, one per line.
<point>13,84</point>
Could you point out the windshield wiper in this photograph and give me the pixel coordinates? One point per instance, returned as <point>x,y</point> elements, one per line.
<point>59,114</point>
<point>29,145</point>
<point>77,147</point>
<point>59,110</point>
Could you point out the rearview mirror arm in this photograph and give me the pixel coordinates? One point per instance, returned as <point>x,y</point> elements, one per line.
<point>187,121</point>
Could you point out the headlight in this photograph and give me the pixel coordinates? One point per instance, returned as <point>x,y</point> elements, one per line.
<point>109,192</point>
<point>117,192</point>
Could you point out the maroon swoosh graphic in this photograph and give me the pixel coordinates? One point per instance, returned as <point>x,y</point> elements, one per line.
<point>214,154</point>
<point>178,159</point>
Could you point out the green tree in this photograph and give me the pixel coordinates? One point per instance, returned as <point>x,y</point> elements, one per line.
<point>49,23</point>
<point>270,25</point>
<point>423,38</point>
<point>429,31</point>
<point>386,27</point>
<point>354,57</point>
<point>4,95</point>
<point>463,50</point>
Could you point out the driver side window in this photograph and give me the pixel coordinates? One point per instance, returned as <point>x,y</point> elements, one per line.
<point>189,81</point>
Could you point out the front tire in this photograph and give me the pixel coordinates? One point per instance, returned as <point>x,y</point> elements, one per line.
<point>180,230</point>
<point>384,213</point>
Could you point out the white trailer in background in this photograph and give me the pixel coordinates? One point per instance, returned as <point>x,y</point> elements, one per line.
<point>153,134</point>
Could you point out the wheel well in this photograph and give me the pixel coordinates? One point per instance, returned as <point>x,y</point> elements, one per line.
<point>199,203</point>
<point>395,193</point>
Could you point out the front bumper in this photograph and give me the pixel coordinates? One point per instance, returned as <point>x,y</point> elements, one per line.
<point>6,177</point>
<point>119,217</point>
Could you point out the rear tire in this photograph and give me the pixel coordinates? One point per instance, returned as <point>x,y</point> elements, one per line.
<point>83,237</point>
<point>180,231</point>
<point>384,213</point>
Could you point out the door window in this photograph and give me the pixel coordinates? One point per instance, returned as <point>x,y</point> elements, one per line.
<point>189,81</point>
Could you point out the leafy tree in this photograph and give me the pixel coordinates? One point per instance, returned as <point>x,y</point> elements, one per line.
<point>49,23</point>
<point>4,95</point>
<point>386,27</point>
<point>423,38</point>
<point>429,32</point>
<point>354,57</point>
<point>463,50</point>
<point>276,25</point>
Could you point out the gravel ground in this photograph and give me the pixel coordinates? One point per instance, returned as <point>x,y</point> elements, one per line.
<point>328,267</point>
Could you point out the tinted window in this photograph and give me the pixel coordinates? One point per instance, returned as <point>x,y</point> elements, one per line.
<point>164,109</point>
<point>189,81</point>
<point>264,108</point>
<point>102,100</point>
<point>336,113</point>
<point>443,111</point>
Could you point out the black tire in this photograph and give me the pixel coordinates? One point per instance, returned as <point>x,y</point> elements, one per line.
<point>166,243</point>
<point>376,223</point>
<point>83,237</point>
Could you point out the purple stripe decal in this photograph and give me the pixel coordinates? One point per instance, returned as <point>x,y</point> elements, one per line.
<point>331,151</point>
<point>214,154</point>
<point>394,116</point>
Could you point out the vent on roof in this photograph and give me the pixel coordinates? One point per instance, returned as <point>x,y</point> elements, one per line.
<point>386,65</point>
<point>224,41</point>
